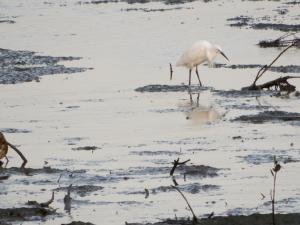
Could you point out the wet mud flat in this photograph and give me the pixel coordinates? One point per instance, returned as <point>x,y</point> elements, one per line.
<point>26,66</point>
<point>135,179</point>
<point>257,219</point>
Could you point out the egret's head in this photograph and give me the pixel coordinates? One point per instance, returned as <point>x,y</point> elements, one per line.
<point>218,49</point>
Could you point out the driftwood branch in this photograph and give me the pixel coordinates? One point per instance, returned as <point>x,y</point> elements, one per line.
<point>195,220</point>
<point>19,153</point>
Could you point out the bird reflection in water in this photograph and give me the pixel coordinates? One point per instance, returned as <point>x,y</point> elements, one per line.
<point>200,114</point>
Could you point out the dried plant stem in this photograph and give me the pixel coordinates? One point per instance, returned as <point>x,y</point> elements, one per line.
<point>266,67</point>
<point>195,220</point>
<point>273,198</point>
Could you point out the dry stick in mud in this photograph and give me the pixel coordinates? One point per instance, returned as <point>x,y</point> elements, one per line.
<point>171,71</point>
<point>195,219</point>
<point>175,164</point>
<point>4,143</point>
<point>274,171</point>
<point>281,82</point>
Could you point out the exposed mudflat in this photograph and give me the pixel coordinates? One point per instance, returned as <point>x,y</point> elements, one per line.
<point>104,140</point>
<point>25,66</point>
<point>259,219</point>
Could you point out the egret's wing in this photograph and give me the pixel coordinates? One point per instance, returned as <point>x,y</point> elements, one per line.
<point>193,56</point>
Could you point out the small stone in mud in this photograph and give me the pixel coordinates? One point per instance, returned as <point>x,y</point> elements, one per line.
<point>86,148</point>
<point>82,191</point>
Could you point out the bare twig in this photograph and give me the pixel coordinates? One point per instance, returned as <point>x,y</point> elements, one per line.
<point>46,204</point>
<point>19,153</point>
<point>195,220</point>
<point>265,68</point>
<point>171,71</point>
<point>175,164</point>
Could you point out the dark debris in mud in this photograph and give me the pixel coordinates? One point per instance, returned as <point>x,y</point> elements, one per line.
<point>24,213</point>
<point>26,66</point>
<point>82,191</point>
<point>269,116</point>
<point>257,219</point>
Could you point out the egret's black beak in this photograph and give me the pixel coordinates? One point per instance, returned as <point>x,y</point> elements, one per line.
<point>222,53</point>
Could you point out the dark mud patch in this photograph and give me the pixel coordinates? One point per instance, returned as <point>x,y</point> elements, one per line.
<point>152,153</point>
<point>241,93</point>
<point>169,88</point>
<point>258,24</point>
<point>14,130</point>
<point>86,148</point>
<point>198,171</point>
<point>258,159</point>
<point>154,10</point>
<point>269,116</point>
<point>23,213</point>
<point>78,223</point>
<point>74,140</point>
<point>82,191</point>
<point>32,171</point>
<point>277,69</point>
<point>7,21</point>
<point>190,188</point>
<point>186,170</point>
<point>167,2</point>
<point>26,66</point>
<point>257,219</point>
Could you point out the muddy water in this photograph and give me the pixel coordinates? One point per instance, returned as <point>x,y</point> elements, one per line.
<point>93,130</point>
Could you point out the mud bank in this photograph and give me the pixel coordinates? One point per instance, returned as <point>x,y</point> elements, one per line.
<point>26,66</point>
<point>269,116</point>
<point>257,219</point>
<point>170,88</point>
<point>277,69</point>
<point>167,2</point>
<point>24,214</point>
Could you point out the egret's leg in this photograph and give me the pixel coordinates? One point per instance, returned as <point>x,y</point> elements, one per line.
<point>190,74</point>
<point>198,76</point>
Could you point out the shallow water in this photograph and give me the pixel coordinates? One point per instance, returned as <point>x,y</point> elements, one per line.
<point>139,135</point>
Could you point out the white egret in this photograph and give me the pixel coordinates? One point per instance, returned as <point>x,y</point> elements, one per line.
<point>200,52</point>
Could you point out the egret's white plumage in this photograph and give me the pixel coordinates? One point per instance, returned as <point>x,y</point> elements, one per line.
<point>200,52</point>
